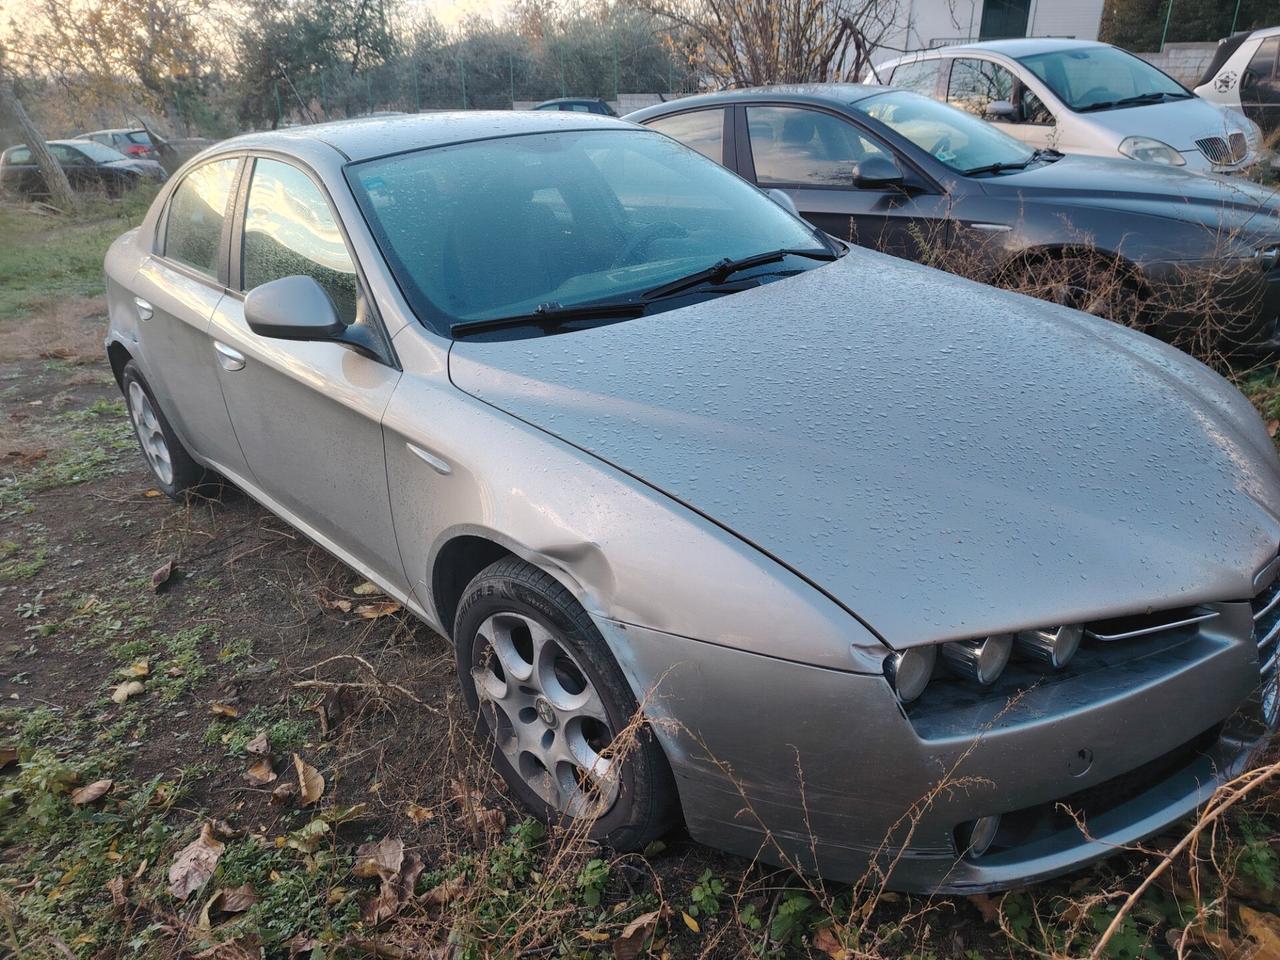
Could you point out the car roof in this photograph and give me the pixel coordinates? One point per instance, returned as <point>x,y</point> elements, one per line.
<point>572,100</point>
<point>796,92</point>
<point>113,130</point>
<point>1018,47</point>
<point>369,137</point>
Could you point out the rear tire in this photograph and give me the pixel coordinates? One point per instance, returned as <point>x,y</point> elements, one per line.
<point>549,699</point>
<point>173,469</point>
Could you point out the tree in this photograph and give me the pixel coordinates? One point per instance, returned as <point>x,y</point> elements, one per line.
<point>1139,24</point>
<point>749,42</point>
<point>55,178</point>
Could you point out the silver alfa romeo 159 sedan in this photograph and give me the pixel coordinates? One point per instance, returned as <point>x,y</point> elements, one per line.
<point>898,568</point>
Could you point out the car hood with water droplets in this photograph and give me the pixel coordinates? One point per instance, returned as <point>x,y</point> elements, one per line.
<point>941,458</point>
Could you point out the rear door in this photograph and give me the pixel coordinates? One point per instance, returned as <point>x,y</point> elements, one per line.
<point>176,290</point>
<point>810,154</point>
<point>308,415</point>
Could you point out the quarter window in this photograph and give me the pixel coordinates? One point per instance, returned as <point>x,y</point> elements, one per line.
<point>1263,64</point>
<point>794,146</point>
<point>1034,110</point>
<point>289,230</point>
<point>919,76</point>
<point>976,84</point>
<point>703,130</point>
<point>193,228</point>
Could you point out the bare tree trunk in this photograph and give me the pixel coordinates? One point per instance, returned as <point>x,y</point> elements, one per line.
<point>55,177</point>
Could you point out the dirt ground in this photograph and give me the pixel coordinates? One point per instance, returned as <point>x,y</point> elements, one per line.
<point>260,714</point>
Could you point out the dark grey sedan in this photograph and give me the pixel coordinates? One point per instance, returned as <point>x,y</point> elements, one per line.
<point>89,165</point>
<point>1190,258</point>
<point>836,527</point>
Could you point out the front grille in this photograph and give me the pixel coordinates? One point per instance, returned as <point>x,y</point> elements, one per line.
<point>1219,152</point>
<point>1266,626</point>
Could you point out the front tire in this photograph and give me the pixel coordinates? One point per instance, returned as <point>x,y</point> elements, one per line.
<point>174,470</point>
<point>550,702</point>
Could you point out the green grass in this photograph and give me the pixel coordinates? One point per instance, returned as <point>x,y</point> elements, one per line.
<point>48,256</point>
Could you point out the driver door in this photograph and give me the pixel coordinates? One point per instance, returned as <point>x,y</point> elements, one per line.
<point>811,154</point>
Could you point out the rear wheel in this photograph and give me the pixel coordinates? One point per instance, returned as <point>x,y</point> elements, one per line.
<point>172,467</point>
<point>554,707</point>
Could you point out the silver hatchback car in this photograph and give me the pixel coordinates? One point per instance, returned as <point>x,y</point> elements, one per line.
<point>838,528</point>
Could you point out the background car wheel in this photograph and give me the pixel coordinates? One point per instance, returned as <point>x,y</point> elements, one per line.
<point>550,701</point>
<point>174,471</point>
<point>1091,284</point>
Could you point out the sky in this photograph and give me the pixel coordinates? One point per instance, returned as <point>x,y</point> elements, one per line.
<point>452,12</point>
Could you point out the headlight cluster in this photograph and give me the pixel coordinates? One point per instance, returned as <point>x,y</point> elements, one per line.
<point>981,660</point>
<point>1268,256</point>
<point>1151,151</point>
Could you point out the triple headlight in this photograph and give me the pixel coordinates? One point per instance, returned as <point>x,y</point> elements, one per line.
<point>981,660</point>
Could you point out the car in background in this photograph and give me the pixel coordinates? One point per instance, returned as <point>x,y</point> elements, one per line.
<point>721,514</point>
<point>1245,75</point>
<point>131,142</point>
<point>578,105</point>
<point>89,165</point>
<point>907,175</point>
<point>1081,97</point>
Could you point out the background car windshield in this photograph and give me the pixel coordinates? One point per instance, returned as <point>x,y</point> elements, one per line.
<point>498,227</point>
<point>958,139</point>
<point>1090,76</point>
<point>98,152</point>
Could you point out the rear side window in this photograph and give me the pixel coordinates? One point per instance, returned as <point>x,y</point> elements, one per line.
<point>976,84</point>
<point>18,155</point>
<point>289,231</point>
<point>703,130</point>
<point>193,229</point>
<point>1263,64</point>
<point>919,76</point>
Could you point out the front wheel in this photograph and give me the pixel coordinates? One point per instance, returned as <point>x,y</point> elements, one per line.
<point>553,705</point>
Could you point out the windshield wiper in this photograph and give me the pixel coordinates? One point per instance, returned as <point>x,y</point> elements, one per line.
<point>998,167</point>
<point>722,270</point>
<point>553,313</point>
<point>1132,101</point>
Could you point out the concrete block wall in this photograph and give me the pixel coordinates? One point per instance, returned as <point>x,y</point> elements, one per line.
<point>1185,62</point>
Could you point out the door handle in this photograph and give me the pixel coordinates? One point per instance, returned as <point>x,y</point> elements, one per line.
<point>229,358</point>
<point>145,310</point>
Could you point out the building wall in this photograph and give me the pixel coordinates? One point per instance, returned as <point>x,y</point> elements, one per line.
<point>925,23</point>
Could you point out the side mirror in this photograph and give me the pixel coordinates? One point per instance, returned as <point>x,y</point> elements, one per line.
<point>876,173</point>
<point>783,199</point>
<point>292,308</point>
<point>1001,110</point>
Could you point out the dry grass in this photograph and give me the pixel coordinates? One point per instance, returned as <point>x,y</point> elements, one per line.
<point>70,329</point>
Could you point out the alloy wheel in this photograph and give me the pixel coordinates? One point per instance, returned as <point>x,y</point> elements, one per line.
<point>545,715</point>
<point>150,434</point>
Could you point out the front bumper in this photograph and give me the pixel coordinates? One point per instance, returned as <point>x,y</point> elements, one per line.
<point>824,771</point>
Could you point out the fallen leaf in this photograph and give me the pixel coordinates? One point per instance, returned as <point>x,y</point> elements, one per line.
<point>259,746</point>
<point>381,858</point>
<point>419,814</point>
<point>91,792</point>
<point>397,888</point>
<point>126,690</point>
<point>988,906</point>
<point>1263,929</point>
<point>193,866</point>
<point>137,669</point>
<point>689,922</point>
<point>8,756</point>
<point>828,941</point>
<point>310,783</point>
<point>307,839</point>
<point>284,792</point>
<point>261,773</point>
<point>237,899</point>
<point>161,576</point>
<point>340,604</point>
<point>336,816</point>
<point>630,943</point>
<point>485,819</point>
<point>1272,427</point>
<point>220,709</point>
<point>119,890</point>
<point>365,589</point>
<point>248,947</point>
<point>152,494</point>
<point>373,611</point>
<point>442,893</point>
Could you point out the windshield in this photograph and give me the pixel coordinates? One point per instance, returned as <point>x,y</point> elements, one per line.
<point>97,151</point>
<point>501,227</point>
<point>1102,78</point>
<point>958,139</point>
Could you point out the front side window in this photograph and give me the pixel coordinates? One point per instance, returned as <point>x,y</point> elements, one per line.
<point>976,84</point>
<point>497,228</point>
<point>289,231</point>
<point>920,76</point>
<point>1102,78</point>
<point>703,130</point>
<point>958,139</point>
<point>193,228</point>
<point>794,146</point>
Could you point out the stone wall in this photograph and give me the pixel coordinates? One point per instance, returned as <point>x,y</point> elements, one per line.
<point>1185,62</point>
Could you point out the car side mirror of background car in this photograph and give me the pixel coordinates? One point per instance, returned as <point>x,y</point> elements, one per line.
<point>877,173</point>
<point>783,199</point>
<point>1001,110</point>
